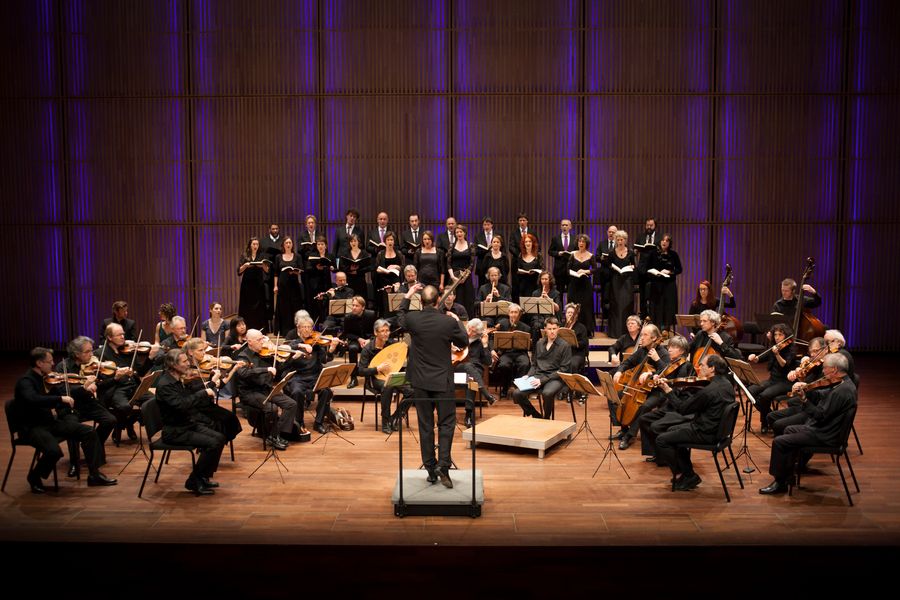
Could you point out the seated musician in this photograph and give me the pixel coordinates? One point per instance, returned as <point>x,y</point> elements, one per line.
<point>719,341</point>
<point>120,317</point>
<point>787,304</point>
<point>478,358</point>
<point>410,279</point>
<point>493,291</point>
<point>668,405</point>
<point>179,403</point>
<point>357,325</point>
<point>822,427</point>
<point>174,341</point>
<point>87,407</point>
<point>579,352</point>
<point>254,380</point>
<point>379,341</point>
<point>708,406</point>
<point>781,362</point>
<point>511,363</point>
<point>308,366</point>
<point>551,355</point>
<point>451,305</point>
<point>32,413</point>
<point>210,413</point>
<point>547,289</point>
<point>835,341</point>
<point>626,341</point>
<point>115,391</point>
<point>795,412</point>
<point>653,357</point>
<point>340,291</point>
<point>236,338</point>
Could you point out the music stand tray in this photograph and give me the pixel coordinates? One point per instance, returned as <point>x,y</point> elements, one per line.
<point>511,340</point>
<point>495,309</point>
<point>537,306</point>
<point>329,377</point>
<point>568,336</point>
<point>744,371</point>
<point>689,321</point>
<point>339,308</point>
<point>395,299</point>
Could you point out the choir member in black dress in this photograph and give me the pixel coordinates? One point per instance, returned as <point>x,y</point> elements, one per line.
<point>667,405</point>
<point>546,289</point>
<point>364,368</point>
<point>781,362</point>
<point>822,428</point>
<point>430,262</point>
<point>646,246</point>
<point>787,304</point>
<point>664,267</point>
<point>356,262</point>
<point>515,251</point>
<point>270,247</point>
<point>32,416</point>
<point>561,247</point>
<point>342,234</point>
<point>120,316</point>
<point>477,359</point>
<point>511,363</point>
<point>411,237</point>
<point>706,301</point>
<point>358,324</point>
<point>621,298</point>
<point>252,269</point>
<point>551,356</point>
<point>495,257</point>
<point>657,357</point>
<point>527,267</point>
<point>375,236</point>
<point>167,312</point>
<point>708,407</point>
<point>288,290</point>
<point>581,287</point>
<point>319,266</point>
<point>461,257</point>
<point>493,291</point>
<point>177,405</point>
<point>214,329</point>
<point>389,266</point>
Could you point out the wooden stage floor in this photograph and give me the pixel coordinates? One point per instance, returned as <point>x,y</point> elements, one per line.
<point>338,494</point>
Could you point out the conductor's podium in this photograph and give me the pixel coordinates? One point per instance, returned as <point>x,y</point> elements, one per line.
<point>521,432</point>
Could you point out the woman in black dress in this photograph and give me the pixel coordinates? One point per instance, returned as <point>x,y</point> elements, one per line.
<point>288,290</point>
<point>388,270</point>
<point>252,270</point>
<point>621,302</point>
<point>546,289</point>
<point>214,330</point>
<point>319,266</point>
<point>581,282</point>
<point>430,262</point>
<point>355,263</point>
<point>528,267</point>
<point>664,267</point>
<point>495,257</point>
<point>462,257</point>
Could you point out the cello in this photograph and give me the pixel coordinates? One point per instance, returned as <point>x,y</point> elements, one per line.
<point>806,326</point>
<point>707,349</point>
<point>632,394</point>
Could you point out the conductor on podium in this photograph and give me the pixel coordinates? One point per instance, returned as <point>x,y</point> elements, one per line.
<point>430,373</point>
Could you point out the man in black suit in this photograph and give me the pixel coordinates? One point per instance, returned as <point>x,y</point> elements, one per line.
<point>645,247</point>
<point>375,236</point>
<point>33,418</point>
<point>411,238</point>
<point>603,276</point>
<point>561,247</point>
<point>120,317</point>
<point>342,235</point>
<point>430,373</point>
<point>483,243</point>
<point>358,326</point>
<point>270,247</point>
<point>823,428</point>
<point>446,240</point>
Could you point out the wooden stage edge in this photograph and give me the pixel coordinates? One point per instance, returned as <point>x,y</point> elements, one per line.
<point>338,495</point>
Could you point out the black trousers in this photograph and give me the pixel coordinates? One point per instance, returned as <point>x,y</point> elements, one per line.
<point>301,390</point>
<point>793,414</point>
<point>512,365</point>
<point>548,393</point>
<point>207,440</point>
<point>89,409</point>
<point>679,459</point>
<point>765,392</point>
<point>653,424</point>
<point>446,411</point>
<point>285,419</point>
<point>476,372</point>
<point>67,427</point>
<point>786,448</point>
<point>219,418</point>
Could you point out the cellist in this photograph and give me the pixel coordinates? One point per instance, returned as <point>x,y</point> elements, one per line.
<point>651,357</point>
<point>711,341</point>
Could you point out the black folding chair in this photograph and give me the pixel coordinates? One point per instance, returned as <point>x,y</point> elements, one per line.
<point>836,452</point>
<point>726,430</point>
<point>153,424</point>
<point>17,439</point>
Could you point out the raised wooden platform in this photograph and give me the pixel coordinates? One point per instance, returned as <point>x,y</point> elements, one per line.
<point>520,432</point>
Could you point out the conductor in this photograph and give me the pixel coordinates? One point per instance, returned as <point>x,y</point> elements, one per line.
<point>431,374</point>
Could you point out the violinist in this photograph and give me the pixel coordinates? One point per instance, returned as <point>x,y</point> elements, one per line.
<point>358,323</point>
<point>473,366</point>
<point>163,330</point>
<point>253,268</point>
<point>179,405</point>
<point>120,316</point>
<point>379,341</point>
<point>511,363</point>
<point>657,358</point>
<point>115,390</point>
<point>80,361</point>
<point>315,355</point>
<point>545,289</point>
<point>287,290</point>
<point>822,427</point>
<point>835,341</point>
<point>175,341</point>
<point>451,305</point>
<point>626,341</point>
<point>782,359</point>
<point>719,341</point>
<point>255,379</point>
<point>319,265</point>
<point>493,291</point>
<point>237,336</point>
<point>32,416</point>
<point>667,405</point>
<point>794,413</point>
<point>787,304</point>
<point>340,291</point>
<point>664,266</point>
<point>208,370</point>
<point>551,356</point>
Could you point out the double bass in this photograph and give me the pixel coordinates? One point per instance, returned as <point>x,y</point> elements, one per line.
<point>806,326</point>
<point>730,324</point>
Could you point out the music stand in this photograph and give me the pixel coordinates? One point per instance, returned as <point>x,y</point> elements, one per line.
<point>147,382</point>
<point>744,374</point>
<point>338,308</point>
<point>568,335</point>
<point>577,382</point>
<point>398,380</point>
<point>537,306</point>
<point>511,340</point>
<point>329,377</point>
<point>495,309</point>
<point>608,390</point>
<point>272,451</point>
<point>395,299</point>
<point>688,321</point>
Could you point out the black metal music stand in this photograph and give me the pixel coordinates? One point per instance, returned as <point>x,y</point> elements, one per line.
<point>398,381</point>
<point>579,383</point>
<point>742,374</point>
<point>147,382</point>
<point>609,391</point>
<point>272,450</point>
<point>329,377</point>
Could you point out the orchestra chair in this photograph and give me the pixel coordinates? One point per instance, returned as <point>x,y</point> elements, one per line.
<point>836,452</point>
<point>853,426</point>
<point>751,328</point>
<point>17,439</point>
<point>153,424</point>
<point>563,396</point>
<point>726,431</point>
<point>370,390</point>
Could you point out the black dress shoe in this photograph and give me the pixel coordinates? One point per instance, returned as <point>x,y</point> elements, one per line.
<point>650,459</point>
<point>764,429</point>
<point>491,399</point>
<point>37,486</point>
<point>73,471</point>
<point>687,483</point>
<point>625,442</point>
<point>321,427</point>
<point>197,487</point>
<point>469,420</point>
<point>207,482</point>
<point>386,427</point>
<point>99,479</point>
<point>776,487</point>
<point>432,476</point>
<point>130,431</point>
<point>617,436</point>
<point>444,476</point>
<point>276,443</point>
<point>353,383</point>
<point>117,436</point>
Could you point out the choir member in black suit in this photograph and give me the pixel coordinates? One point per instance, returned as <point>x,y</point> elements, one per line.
<point>120,317</point>
<point>781,362</point>
<point>708,407</point>
<point>430,262</point>
<point>287,289</point>
<point>478,358</point>
<point>719,341</point>
<point>308,365</point>
<point>357,325</point>
<point>551,356</point>
<point>561,247</point>
<point>795,411</point>
<point>621,288</point>
<point>822,428</point>
<point>252,270</point>
<point>493,291</point>
<point>667,406</point>
<point>411,237</point>
<point>378,342</point>
<point>603,276</point>
<point>665,266</point>
<point>495,257</point>
<point>375,236</point>
<point>483,245</point>
<point>32,414</point>
<point>511,363</point>
<point>270,247</point>
<point>177,404</point>
<point>307,240</point>
<point>657,357</point>
<point>356,262</point>
<point>582,265</point>
<point>461,256</point>
<point>319,266</point>
<point>527,267</point>
<point>448,238</point>
<point>787,304</point>
<point>342,234</point>
<point>430,373</point>
<point>646,246</point>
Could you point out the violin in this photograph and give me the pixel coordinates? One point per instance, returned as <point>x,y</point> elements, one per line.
<point>777,347</point>
<point>282,352</point>
<point>826,381</point>
<point>316,337</point>
<point>804,369</point>
<point>224,363</point>
<point>89,368</point>
<point>64,378</point>
<point>139,347</point>
<point>690,381</point>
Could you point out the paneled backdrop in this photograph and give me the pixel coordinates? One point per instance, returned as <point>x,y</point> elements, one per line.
<point>144,141</point>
